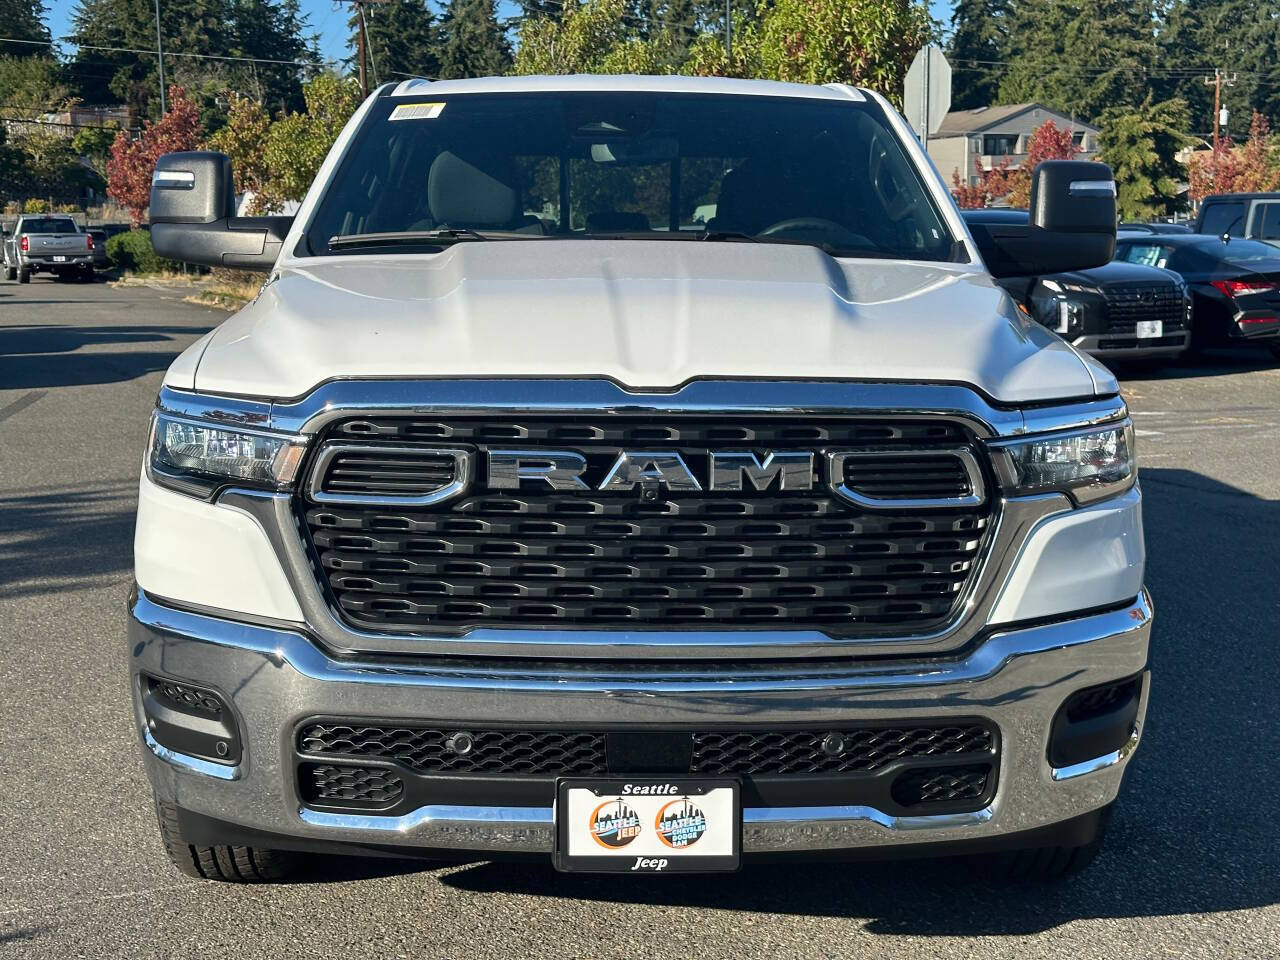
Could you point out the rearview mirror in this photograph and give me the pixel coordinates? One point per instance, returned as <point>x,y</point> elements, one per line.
<point>193,215</point>
<point>1072,224</point>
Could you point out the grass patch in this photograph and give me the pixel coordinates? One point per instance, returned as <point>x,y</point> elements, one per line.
<point>228,289</point>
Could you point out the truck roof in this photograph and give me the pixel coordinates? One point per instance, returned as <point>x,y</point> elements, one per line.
<point>593,83</point>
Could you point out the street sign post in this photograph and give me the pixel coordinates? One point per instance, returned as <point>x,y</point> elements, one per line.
<point>926,95</point>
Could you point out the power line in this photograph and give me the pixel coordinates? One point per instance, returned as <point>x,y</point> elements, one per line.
<point>172,53</point>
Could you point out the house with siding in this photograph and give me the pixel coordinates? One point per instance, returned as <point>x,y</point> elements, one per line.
<point>990,134</point>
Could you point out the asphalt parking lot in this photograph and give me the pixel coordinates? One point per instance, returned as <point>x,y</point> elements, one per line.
<point>1192,865</point>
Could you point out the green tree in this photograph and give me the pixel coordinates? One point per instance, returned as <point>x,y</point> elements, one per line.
<point>1140,144</point>
<point>474,43</point>
<point>592,38</point>
<point>243,138</point>
<point>297,143</point>
<point>93,145</point>
<point>866,42</point>
<point>404,39</point>
<point>24,20</point>
<point>1080,56</point>
<point>979,43</point>
<point>270,30</point>
<point>1242,37</point>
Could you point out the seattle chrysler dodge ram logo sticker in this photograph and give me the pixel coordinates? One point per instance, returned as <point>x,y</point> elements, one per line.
<point>680,823</point>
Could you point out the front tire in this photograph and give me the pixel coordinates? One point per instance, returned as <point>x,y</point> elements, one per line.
<point>228,863</point>
<point>10,273</point>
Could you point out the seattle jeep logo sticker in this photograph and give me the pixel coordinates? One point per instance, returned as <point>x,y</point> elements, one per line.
<point>614,824</point>
<point>680,823</point>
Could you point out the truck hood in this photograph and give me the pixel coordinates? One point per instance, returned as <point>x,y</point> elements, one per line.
<point>647,314</point>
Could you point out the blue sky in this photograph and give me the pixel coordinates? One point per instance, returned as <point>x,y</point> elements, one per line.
<point>329,20</point>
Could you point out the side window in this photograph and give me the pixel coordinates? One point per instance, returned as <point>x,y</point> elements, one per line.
<point>1220,218</point>
<point>1266,221</point>
<point>1148,254</point>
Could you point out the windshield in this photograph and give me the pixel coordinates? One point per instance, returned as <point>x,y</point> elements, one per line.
<point>633,165</point>
<point>55,225</point>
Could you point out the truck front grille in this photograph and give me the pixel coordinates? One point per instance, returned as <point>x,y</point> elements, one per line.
<point>1127,303</point>
<point>536,556</point>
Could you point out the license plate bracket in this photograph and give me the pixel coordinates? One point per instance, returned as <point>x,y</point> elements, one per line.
<point>647,825</point>
<point>1149,329</point>
<point>58,258</point>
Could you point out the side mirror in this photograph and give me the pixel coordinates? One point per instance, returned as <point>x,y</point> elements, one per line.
<point>1072,223</point>
<point>193,215</point>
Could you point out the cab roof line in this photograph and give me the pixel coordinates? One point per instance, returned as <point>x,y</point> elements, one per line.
<point>853,93</point>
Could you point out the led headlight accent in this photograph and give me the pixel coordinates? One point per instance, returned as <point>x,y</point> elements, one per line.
<point>198,458</point>
<point>1087,465</point>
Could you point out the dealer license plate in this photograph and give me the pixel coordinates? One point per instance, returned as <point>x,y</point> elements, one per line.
<point>58,259</point>
<point>648,825</point>
<point>1150,328</point>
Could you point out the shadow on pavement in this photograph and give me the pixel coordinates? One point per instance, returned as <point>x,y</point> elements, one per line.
<point>63,537</point>
<point>1209,363</point>
<point>50,355</point>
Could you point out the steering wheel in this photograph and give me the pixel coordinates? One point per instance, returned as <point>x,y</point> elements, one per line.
<point>829,231</point>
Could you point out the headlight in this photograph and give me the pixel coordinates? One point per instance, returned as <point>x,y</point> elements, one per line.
<point>199,458</point>
<point>1087,465</point>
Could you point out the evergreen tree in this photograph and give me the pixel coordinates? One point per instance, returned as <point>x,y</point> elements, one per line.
<point>1241,37</point>
<point>978,44</point>
<point>404,40</point>
<point>23,20</point>
<point>1080,56</point>
<point>474,44</point>
<point>1140,144</point>
<point>270,30</point>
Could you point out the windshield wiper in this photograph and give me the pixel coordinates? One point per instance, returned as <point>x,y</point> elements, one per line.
<point>441,237</point>
<point>721,235</point>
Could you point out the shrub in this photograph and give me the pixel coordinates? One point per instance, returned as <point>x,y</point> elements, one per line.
<point>132,252</point>
<point>36,206</point>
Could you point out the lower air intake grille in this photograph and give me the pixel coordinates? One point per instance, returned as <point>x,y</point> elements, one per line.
<point>435,750</point>
<point>348,785</point>
<point>427,750</point>
<point>941,785</point>
<point>843,751</point>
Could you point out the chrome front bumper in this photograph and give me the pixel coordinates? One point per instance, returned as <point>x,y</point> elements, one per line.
<point>276,677</point>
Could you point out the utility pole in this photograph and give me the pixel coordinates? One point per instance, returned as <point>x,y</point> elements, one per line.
<point>160,57</point>
<point>363,43</point>
<point>728,29</point>
<point>1218,79</point>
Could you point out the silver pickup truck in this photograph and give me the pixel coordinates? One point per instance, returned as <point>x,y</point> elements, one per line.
<point>53,243</point>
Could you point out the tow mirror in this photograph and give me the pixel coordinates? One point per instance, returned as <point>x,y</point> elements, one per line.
<point>193,215</point>
<point>1072,223</point>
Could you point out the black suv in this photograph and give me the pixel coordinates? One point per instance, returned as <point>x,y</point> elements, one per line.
<point>1119,311</point>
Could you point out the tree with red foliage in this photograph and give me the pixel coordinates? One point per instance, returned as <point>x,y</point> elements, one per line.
<point>132,162</point>
<point>1047,142</point>
<point>1250,169</point>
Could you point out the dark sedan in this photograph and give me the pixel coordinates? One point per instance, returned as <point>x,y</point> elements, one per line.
<point>1235,285</point>
<point>1118,311</point>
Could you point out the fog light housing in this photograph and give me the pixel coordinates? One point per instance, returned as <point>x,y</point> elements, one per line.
<point>190,720</point>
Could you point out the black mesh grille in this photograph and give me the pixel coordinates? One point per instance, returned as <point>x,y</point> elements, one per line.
<point>1097,701</point>
<point>941,785</point>
<point>844,751</point>
<point>1127,303</point>
<point>323,783</point>
<point>886,476</point>
<point>717,753</point>
<point>403,472</point>
<point>428,750</point>
<point>538,556</point>
<point>186,696</point>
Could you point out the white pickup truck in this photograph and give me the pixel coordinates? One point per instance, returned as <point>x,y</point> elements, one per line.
<point>643,472</point>
<point>50,242</point>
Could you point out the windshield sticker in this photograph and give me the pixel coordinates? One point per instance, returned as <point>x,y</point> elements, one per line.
<point>417,111</point>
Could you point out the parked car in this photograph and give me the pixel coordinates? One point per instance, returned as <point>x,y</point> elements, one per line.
<point>633,543</point>
<point>1156,227</point>
<point>52,243</point>
<point>1234,284</point>
<point>1254,216</point>
<point>1117,311</point>
<point>100,259</point>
